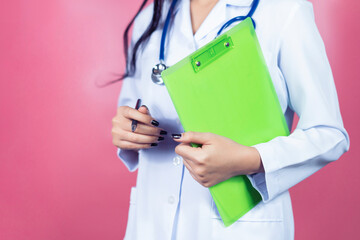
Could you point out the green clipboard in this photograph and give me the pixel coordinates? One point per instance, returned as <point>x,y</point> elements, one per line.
<point>225,88</point>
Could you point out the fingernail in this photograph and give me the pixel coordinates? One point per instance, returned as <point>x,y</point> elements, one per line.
<point>154,144</point>
<point>160,138</point>
<point>176,135</point>
<point>155,123</point>
<point>162,132</point>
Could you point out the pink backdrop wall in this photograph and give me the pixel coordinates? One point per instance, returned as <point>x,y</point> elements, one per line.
<point>60,177</point>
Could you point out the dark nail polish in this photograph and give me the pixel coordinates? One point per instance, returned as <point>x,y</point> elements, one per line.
<point>176,135</point>
<point>155,123</point>
<point>162,132</point>
<point>160,138</point>
<point>145,106</point>
<point>154,144</point>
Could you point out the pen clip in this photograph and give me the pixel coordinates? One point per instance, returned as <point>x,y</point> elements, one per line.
<point>138,102</point>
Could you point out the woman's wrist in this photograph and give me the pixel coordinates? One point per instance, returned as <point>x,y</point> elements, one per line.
<point>248,161</point>
<point>256,159</point>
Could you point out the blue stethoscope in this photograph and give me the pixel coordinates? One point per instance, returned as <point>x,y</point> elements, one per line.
<point>158,68</point>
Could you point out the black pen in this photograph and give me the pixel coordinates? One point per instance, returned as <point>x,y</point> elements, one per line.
<point>134,122</point>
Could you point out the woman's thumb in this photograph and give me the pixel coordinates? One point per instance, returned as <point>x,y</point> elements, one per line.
<point>144,109</point>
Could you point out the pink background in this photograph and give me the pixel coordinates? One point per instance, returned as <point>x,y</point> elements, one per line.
<point>60,177</point>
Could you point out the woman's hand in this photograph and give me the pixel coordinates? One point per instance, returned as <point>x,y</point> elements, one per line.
<point>147,133</point>
<point>219,158</point>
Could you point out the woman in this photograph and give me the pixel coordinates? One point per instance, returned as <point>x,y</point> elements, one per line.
<point>171,203</point>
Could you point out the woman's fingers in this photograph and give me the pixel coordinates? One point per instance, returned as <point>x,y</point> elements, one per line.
<point>145,129</point>
<point>188,152</point>
<point>203,181</point>
<point>135,137</point>
<point>133,114</point>
<point>131,145</point>
<point>145,125</point>
<point>187,165</point>
<point>146,133</point>
<point>141,128</point>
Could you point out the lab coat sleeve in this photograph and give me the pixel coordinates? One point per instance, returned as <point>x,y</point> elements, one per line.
<point>130,91</point>
<point>128,97</point>
<point>319,137</point>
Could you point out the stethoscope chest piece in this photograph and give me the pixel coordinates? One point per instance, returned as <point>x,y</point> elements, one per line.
<point>156,73</point>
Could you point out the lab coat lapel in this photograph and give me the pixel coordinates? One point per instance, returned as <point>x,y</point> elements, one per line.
<point>215,17</point>
<point>185,20</point>
<point>239,3</point>
<point>218,16</point>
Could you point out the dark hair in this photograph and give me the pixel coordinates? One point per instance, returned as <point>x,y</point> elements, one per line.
<point>131,62</point>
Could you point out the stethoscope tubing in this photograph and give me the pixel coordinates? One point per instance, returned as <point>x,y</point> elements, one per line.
<point>165,30</point>
<point>158,68</point>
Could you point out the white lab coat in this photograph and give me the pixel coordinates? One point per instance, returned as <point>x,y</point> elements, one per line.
<point>297,61</point>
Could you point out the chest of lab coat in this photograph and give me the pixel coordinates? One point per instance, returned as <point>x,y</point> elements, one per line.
<point>164,188</point>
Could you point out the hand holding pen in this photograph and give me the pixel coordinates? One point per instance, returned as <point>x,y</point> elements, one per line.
<point>134,128</point>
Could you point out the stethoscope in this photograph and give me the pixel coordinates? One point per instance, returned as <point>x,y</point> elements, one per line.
<point>158,68</point>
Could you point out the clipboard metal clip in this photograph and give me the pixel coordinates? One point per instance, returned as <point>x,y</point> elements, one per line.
<point>211,53</point>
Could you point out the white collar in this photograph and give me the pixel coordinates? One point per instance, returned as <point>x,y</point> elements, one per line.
<point>213,22</point>
<point>239,3</point>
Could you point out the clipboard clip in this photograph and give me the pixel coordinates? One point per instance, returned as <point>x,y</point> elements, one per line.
<point>211,53</point>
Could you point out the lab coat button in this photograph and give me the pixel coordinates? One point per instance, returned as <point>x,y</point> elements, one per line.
<point>171,199</point>
<point>177,160</point>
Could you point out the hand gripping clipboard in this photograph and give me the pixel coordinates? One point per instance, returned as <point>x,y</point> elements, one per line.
<point>225,88</point>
